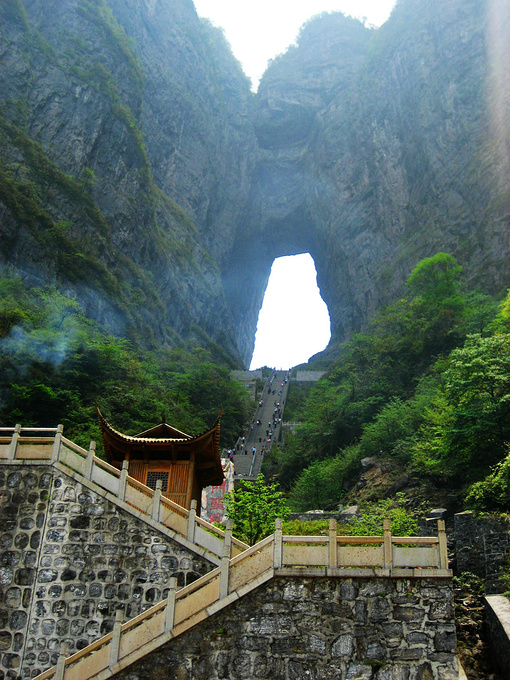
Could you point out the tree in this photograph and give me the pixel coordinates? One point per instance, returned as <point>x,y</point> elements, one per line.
<point>378,371</point>
<point>56,365</point>
<point>493,492</point>
<point>436,278</point>
<point>319,485</point>
<point>467,425</point>
<point>478,386</point>
<point>254,509</point>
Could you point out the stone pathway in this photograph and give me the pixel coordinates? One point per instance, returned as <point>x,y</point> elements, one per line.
<point>265,428</point>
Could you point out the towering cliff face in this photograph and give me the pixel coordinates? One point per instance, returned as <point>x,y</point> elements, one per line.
<point>381,148</point>
<point>139,173</point>
<point>124,137</point>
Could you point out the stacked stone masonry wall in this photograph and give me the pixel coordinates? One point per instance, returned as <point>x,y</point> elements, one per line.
<point>68,560</point>
<point>496,549</point>
<point>497,623</point>
<point>318,629</point>
<point>482,548</point>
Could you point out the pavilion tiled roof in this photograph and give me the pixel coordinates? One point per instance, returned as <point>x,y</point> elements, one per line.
<point>156,442</point>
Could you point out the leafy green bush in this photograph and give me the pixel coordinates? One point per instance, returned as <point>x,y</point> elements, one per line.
<point>319,486</point>
<point>469,583</point>
<point>467,426</point>
<point>254,509</point>
<point>493,492</point>
<point>296,527</point>
<point>403,521</point>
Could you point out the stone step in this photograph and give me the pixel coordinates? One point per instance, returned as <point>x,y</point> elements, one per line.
<point>271,560</point>
<point>247,466</point>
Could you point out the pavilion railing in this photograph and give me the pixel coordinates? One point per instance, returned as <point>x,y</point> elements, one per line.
<point>277,555</point>
<point>23,444</point>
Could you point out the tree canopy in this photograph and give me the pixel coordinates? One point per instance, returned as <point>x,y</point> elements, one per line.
<point>254,508</point>
<point>427,384</point>
<point>56,366</point>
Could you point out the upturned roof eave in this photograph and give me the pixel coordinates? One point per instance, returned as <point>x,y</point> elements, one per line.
<point>153,441</point>
<point>113,439</point>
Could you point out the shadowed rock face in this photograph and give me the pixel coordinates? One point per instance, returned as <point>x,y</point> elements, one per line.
<point>368,149</point>
<point>377,149</point>
<point>129,196</point>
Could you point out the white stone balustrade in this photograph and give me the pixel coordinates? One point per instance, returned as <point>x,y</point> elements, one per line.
<point>36,445</point>
<point>319,556</point>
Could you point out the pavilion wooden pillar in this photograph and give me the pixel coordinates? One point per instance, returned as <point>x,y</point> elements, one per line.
<point>191,477</point>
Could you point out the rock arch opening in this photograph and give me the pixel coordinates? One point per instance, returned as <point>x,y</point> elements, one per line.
<point>293,322</point>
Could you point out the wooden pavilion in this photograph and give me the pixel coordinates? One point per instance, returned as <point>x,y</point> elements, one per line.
<point>183,463</point>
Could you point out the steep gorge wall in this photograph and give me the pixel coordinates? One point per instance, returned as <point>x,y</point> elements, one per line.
<point>125,142</point>
<point>383,147</point>
<point>139,172</point>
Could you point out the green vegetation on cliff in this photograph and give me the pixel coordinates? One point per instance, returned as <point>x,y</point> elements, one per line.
<point>427,386</point>
<point>56,366</point>
<point>99,13</point>
<point>14,10</point>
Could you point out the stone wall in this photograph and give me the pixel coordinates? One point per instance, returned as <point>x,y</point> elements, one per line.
<point>318,629</point>
<point>497,620</point>
<point>68,560</point>
<point>481,547</point>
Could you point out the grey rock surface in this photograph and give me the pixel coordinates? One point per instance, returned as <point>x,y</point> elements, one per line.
<point>141,175</point>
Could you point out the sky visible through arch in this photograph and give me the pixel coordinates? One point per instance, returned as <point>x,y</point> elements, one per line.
<point>294,321</point>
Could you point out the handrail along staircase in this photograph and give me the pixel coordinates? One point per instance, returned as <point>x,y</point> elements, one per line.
<point>27,445</point>
<point>241,569</point>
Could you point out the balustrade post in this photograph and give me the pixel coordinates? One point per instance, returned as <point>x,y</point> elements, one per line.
<point>443,547</point>
<point>225,561</point>
<point>192,522</point>
<point>55,453</point>
<point>123,480</point>
<point>61,663</point>
<point>115,641</point>
<point>11,454</point>
<point>387,545</point>
<point>156,501</point>
<point>333,552</point>
<point>278,544</point>
<point>170,605</point>
<point>89,462</point>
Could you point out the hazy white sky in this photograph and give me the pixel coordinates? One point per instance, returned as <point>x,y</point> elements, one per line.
<point>258,31</point>
<point>294,321</point>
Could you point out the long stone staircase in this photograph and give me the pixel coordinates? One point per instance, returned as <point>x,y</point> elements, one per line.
<point>241,570</point>
<point>277,555</point>
<point>272,401</point>
<point>37,445</point>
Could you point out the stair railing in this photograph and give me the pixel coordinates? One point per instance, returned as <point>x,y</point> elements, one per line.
<point>18,444</point>
<point>306,556</point>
